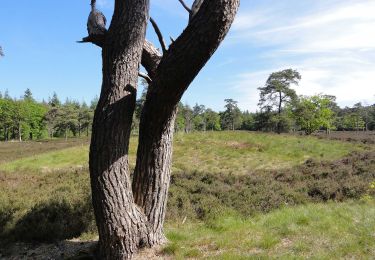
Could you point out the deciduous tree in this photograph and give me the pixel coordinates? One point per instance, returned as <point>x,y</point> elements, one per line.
<point>314,112</point>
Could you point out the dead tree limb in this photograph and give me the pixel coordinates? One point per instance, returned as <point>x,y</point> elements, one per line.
<point>159,34</point>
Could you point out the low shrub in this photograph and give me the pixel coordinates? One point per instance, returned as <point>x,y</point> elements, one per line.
<point>202,195</point>
<point>59,205</point>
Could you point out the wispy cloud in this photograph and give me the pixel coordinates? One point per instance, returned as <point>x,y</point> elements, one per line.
<point>332,43</point>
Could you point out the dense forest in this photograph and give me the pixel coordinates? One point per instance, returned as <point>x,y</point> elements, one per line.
<point>280,110</point>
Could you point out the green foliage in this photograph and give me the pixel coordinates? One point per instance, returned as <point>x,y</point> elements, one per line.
<point>54,101</point>
<point>21,119</point>
<point>197,118</point>
<point>277,91</point>
<point>212,120</point>
<point>281,110</point>
<point>34,123</point>
<point>28,96</point>
<point>85,117</point>
<point>313,113</point>
<point>231,118</point>
<point>27,119</point>
<point>353,121</point>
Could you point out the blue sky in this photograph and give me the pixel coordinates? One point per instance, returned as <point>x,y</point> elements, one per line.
<point>331,42</point>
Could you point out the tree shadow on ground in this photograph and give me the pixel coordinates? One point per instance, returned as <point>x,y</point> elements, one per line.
<point>51,221</point>
<point>6,216</point>
<point>60,250</point>
<point>43,231</point>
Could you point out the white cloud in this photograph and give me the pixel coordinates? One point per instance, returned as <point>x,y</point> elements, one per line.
<point>333,48</point>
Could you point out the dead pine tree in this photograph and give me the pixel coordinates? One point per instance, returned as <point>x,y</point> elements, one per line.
<point>130,214</point>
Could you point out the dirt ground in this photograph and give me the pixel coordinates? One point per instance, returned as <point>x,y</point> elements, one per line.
<point>69,249</point>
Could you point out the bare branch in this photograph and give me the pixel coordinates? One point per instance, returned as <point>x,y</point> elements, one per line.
<point>98,40</point>
<point>145,76</point>
<point>185,6</point>
<point>159,34</point>
<point>1,52</point>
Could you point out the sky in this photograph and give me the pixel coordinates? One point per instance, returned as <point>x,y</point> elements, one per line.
<point>330,42</point>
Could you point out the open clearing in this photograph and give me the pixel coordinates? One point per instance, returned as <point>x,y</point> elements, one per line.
<point>214,152</point>
<point>234,195</point>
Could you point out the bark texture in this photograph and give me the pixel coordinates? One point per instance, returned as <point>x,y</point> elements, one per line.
<point>176,70</point>
<point>130,215</point>
<point>122,226</point>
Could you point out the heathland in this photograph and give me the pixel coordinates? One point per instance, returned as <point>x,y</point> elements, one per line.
<point>234,195</point>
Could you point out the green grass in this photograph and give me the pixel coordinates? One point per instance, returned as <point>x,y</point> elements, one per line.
<point>75,157</point>
<point>10,151</point>
<point>318,231</point>
<point>214,152</point>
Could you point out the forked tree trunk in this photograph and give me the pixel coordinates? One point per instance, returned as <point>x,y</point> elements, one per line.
<point>122,226</point>
<point>131,215</point>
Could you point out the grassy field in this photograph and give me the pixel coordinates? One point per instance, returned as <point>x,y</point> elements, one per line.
<point>243,196</point>
<point>73,157</point>
<point>10,151</point>
<point>243,152</point>
<point>214,152</point>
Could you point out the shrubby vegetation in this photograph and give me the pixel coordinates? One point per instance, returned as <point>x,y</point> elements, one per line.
<point>233,194</point>
<point>46,197</point>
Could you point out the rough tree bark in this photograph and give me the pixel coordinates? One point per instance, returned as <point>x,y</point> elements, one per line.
<point>121,225</point>
<point>177,69</point>
<point>130,215</point>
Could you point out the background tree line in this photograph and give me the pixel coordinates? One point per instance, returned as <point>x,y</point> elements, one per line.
<point>280,110</point>
<point>28,119</point>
